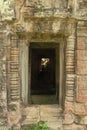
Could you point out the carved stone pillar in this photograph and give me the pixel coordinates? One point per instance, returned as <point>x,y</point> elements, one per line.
<point>13,85</point>
<point>70,78</point>
<point>70,68</point>
<point>14,77</point>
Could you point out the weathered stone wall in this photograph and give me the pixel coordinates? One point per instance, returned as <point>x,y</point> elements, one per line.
<point>81,62</point>
<point>76,107</point>
<point>81,8</point>
<point>81,71</point>
<point>44,21</point>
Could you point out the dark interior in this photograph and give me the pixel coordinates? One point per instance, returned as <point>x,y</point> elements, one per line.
<point>43,72</point>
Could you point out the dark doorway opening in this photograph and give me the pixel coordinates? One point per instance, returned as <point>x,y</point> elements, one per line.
<point>43,71</point>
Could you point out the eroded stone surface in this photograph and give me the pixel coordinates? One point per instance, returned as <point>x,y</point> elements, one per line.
<point>7,9</point>
<point>44,21</point>
<point>51,114</point>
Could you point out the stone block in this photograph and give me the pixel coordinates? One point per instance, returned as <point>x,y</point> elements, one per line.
<point>81,67</point>
<point>69,106</point>
<point>55,125</point>
<point>70,98</point>
<point>79,109</point>
<point>81,43</point>
<point>14,118</point>
<point>70,93</point>
<point>81,90</point>
<point>68,118</point>
<point>74,127</point>
<point>32,115</point>
<point>84,120</point>
<point>14,113</point>
<point>50,113</point>
<point>81,55</point>
<point>77,119</point>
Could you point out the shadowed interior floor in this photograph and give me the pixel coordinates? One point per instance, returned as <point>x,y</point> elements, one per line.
<point>44,99</point>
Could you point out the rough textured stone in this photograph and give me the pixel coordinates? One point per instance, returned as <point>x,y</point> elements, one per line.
<point>74,127</point>
<point>51,114</point>
<point>7,9</point>
<point>55,125</point>
<point>81,89</point>
<point>81,67</point>
<point>69,106</point>
<point>56,21</point>
<point>81,43</point>
<point>81,8</point>
<point>84,120</point>
<point>31,115</point>
<point>68,118</point>
<point>79,109</point>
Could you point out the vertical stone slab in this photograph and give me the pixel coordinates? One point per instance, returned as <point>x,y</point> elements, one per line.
<point>24,64</point>
<point>3,90</point>
<point>81,66</point>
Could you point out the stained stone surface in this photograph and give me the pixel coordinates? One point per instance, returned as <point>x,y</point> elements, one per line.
<point>7,9</point>
<point>51,114</point>
<point>63,21</point>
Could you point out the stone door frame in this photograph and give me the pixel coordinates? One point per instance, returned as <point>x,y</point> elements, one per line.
<point>26,70</point>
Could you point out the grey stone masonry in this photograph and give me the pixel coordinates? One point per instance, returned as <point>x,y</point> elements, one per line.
<point>3,89</point>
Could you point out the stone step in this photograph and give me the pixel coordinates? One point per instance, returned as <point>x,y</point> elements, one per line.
<point>51,114</point>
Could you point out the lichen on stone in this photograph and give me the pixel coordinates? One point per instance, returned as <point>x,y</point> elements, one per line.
<point>7,9</point>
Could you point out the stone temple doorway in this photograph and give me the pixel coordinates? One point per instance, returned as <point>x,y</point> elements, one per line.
<point>43,76</point>
<point>44,73</point>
